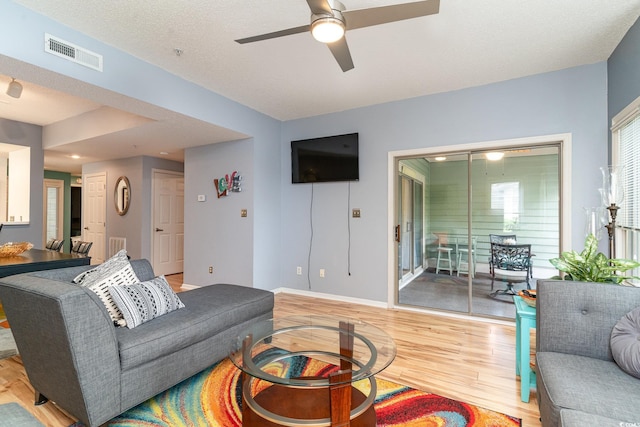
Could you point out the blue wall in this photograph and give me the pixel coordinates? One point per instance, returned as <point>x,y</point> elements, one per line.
<point>624,72</point>
<point>227,236</point>
<point>569,101</point>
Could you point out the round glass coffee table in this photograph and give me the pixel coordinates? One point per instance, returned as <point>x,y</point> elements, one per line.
<point>300,371</point>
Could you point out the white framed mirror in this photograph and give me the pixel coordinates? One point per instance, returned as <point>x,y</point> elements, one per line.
<point>122,195</point>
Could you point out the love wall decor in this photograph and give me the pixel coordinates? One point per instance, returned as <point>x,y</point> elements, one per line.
<point>228,184</point>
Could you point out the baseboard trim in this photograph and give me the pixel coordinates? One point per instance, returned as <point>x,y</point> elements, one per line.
<point>452,315</point>
<point>332,297</point>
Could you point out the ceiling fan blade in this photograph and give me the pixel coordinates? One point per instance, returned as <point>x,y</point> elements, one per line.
<point>319,7</point>
<point>381,15</point>
<point>340,51</point>
<point>275,34</point>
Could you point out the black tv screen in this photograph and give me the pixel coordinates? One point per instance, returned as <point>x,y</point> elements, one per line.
<point>327,159</point>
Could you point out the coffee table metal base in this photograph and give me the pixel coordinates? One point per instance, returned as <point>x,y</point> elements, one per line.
<point>303,407</point>
<point>310,401</point>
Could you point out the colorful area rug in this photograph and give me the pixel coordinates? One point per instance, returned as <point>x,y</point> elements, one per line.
<point>213,398</point>
<point>3,318</point>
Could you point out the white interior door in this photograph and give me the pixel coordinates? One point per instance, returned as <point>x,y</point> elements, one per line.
<point>168,222</point>
<point>94,211</point>
<point>53,206</point>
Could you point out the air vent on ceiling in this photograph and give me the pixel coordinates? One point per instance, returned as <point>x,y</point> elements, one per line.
<point>72,52</point>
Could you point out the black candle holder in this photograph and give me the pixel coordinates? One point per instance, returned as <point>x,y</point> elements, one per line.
<point>611,229</point>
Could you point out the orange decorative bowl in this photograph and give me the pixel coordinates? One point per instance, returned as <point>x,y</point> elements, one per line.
<point>529,297</point>
<point>13,249</point>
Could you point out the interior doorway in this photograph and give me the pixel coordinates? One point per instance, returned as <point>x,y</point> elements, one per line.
<point>76,212</point>
<point>168,222</point>
<point>53,206</point>
<point>468,195</point>
<point>94,212</point>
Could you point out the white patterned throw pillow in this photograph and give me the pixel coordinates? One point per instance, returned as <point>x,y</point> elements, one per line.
<point>116,271</point>
<point>144,301</point>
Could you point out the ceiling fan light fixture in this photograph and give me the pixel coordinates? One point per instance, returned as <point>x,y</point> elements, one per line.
<point>327,29</point>
<point>15,89</point>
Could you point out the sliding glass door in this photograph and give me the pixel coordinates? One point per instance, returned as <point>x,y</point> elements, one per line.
<point>469,197</point>
<point>410,230</point>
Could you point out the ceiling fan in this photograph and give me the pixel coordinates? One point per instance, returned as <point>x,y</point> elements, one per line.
<point>330,20</point>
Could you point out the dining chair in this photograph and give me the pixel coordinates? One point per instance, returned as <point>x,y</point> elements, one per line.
<point>81,248</point>
<point>466,256</point>
<point>503,239</point>
<point>444,261</point>
<point>512,264</point>
<point>55,245</point>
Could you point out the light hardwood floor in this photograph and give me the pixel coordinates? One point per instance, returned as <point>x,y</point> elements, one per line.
<point>467,360</point>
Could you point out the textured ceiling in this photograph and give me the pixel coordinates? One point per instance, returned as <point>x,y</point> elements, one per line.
<point>469,43</point>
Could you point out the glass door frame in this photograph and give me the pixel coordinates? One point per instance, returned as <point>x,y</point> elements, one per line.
<point>416,268</point>
<point>393,161</point>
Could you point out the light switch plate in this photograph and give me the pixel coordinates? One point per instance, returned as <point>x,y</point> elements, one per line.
<point>202,197</point>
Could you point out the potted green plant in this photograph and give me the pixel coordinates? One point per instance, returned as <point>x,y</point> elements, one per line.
<point>593,266</point>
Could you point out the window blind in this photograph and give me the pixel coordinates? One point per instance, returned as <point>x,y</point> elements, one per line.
<point>629,158</point>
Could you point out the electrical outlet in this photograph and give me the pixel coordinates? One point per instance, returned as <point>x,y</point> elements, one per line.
<point>210,270</point>
<point>299,271</point>
<point>322,272</point>
<point>355,213</point>
<point>243,213</point>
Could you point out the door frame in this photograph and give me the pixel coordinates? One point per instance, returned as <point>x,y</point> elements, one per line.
<point>58,184</point>
<point>85,178</point>
<point>393,158</point>
<point>414,176</point>
<point>153,204</point>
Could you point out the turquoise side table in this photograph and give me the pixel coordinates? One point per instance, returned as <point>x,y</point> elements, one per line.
<point>525,320</point>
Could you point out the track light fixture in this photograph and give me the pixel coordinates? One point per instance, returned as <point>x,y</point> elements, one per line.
<point>15,89</point>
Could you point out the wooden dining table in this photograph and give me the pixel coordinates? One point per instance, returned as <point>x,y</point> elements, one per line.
<point>40,259</point>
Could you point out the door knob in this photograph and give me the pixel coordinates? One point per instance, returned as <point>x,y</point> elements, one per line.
<point>159,229</point>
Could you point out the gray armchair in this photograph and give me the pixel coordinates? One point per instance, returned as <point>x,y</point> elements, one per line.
<point>578,382</point>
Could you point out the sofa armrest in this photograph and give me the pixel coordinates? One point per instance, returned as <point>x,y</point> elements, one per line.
<point>143,269</point>
<point>578,317</point>
<point>67,343</point>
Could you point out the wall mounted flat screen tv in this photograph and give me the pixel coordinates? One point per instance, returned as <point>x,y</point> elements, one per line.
<point>327,159</point>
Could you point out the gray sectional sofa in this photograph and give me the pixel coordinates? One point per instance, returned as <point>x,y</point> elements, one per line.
<point>76,357</point>
<point>579,383</point>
